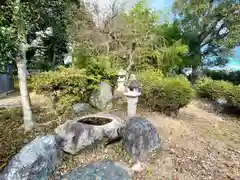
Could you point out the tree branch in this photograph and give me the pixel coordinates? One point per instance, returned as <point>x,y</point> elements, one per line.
<point>216,34</point>
<point>29,46</point>
<point>106,23</point>
<point>206,32</point>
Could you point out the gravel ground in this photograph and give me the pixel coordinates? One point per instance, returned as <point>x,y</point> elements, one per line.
<point>198,144</point>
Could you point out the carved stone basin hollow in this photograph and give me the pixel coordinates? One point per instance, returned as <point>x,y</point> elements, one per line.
<point>96,121</point>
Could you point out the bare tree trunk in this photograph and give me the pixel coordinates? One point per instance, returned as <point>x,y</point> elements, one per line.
<point>22,70</point>
<point>131,62</point>
<point>130,65</point>
<point>25,99</point>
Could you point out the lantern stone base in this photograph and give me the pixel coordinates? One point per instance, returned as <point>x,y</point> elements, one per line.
<point>132,99</point>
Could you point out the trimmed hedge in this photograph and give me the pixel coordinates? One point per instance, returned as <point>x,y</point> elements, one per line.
<point>218,89</point>
<point>64,86</point>
<point>232,76</point>
<point>165,94</point>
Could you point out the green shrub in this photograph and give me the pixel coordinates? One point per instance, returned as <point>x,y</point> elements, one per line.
<point>165,94</point>
<point>237,93</point>
<point>218,89</point>
<point>65,86</point>
<point>97,66</point>
<point>231,76</point>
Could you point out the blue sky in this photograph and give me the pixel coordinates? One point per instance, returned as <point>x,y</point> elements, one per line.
<point>234,62</point>
<point>161,4</point>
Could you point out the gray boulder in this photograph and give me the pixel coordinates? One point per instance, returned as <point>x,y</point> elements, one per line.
<point>105,170</point>
<point>140,137</point>
<point>102,98</point>
<point>37,160</point>
<point>82,132</point>
<point>82,108</point>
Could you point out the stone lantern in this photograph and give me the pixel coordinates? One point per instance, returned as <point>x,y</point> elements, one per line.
<point>132,94</point>
<point>121,80</point>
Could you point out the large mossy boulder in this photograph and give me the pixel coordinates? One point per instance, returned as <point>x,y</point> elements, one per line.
<point>36,161</point>
<point>105,170</point>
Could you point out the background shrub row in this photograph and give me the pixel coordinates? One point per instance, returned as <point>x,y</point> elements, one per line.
<point>67,86</point>
<point>218,89</point>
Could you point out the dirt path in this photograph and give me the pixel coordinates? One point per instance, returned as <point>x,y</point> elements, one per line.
<point>11,100</point>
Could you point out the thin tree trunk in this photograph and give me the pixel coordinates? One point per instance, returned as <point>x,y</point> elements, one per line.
<point>131,63</point>
<point>194,75</point>
<point>25,99</point>
<point>197,59</point>
<point>22,70</point>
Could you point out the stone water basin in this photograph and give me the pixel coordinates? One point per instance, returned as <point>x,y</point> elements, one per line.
<point>84,131</point>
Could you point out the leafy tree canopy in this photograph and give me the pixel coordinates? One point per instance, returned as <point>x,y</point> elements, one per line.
<point>37,16</point>
<point>134,40</point>
<point>210,28</point>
